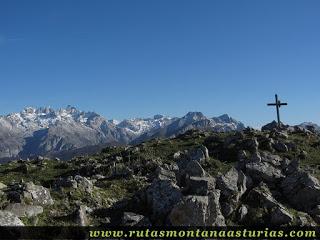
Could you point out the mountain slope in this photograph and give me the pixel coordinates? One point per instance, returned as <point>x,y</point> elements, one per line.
<point>45,131</point>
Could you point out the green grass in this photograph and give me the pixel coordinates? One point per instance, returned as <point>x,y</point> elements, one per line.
<point>14,172</point>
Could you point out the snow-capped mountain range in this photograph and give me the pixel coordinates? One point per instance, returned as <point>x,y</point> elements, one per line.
<point>45,131</point>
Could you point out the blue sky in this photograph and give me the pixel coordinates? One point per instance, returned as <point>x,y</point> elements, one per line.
<point>125,59</point>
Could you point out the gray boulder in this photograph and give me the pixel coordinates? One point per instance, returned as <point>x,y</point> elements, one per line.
<point>232,185</point>
<point>164,174</point>
<point>198,211</point>
<point>39,195</point>
<point>199,154</point>
<point>9,219</point>
<point>2,186</point>
<point>263,171</point>
<point>301,190</point>
<point>194,169</point>
<point>22,210</point>
<point>81,217</point>
<point>161,196</point>
<point>261,196</point>
<point>200,185</point>
<point>242,213</point>
<point>83,182</point>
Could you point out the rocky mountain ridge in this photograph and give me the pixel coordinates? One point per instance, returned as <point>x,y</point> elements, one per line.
<point>45,131</point>
<point>199,178</point>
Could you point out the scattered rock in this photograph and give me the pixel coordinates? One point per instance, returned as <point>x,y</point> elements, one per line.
<point>263,171</point>
<point>232,185</point>
<point>198,211</point>
<point>199,154</point>
<point>9,219</point>
<point>81,216</point>
<point>194,169</point>
<point>304,220</point>
<point>39,194</point>
<point>83,182</point>
<point>133,219</point>
<point>200,185</point>
<point>273,126</point>
<point>242,213</point>
<point>162,195</point>
<point>191,211</point>
<point>22,210</point>
<point>2,186</point>
<point>301,190</point>
<point>261,196</point>
<point>164,174</point>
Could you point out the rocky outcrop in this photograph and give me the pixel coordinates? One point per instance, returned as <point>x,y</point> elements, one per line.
<point>75,182</point>
<point>261,197</point>
<point>201,186</point>
<point>81,217</point>
<point>301,190</point>
<point>161,196</point>
<point>30,193</point>
<point>232,185</point>
<point>198,211</point>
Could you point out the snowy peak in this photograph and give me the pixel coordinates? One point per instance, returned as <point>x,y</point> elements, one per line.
<point>194,116</point>
<point>139,126</point>
<point>45,117</point>
<point>45,131</point>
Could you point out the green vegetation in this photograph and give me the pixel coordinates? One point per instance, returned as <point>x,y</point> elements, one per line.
<point>126,170</point>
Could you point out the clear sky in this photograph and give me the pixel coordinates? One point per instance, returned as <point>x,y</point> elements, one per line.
<point>133,58</point>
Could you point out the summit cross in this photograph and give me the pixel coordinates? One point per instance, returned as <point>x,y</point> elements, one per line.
<point>278,104</point>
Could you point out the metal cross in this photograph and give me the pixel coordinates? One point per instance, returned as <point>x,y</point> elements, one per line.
<point>278,104</point>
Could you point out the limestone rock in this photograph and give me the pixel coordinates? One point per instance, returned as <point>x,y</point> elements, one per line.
<point>9,219</point>
<point>2,186</point>
<point>39,194</point>
<point>261,196</point>
<point>242,212</point>
<point>81,216</point>
<point>200,185</point>
<point>22,210</point>
<point>162,195</point>
<point>164,174</point>
<point>263,171</point>
<point>133,219</point>
<point>198,211</point>
<point>191,211</point>
<point>194,169</point>
<point>232,185</point>
<point>84,183</point>
<point>301,190</point>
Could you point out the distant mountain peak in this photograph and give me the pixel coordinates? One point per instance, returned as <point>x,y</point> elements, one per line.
<point>158,116</point>
<point>194,115</point>
<point>45,130</point>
